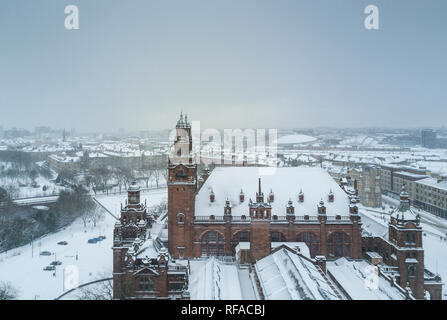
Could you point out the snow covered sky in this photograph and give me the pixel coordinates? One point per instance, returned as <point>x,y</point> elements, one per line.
<point>247,63</point>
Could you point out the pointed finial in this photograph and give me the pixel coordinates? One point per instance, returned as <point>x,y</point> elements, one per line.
<point>259,186</point>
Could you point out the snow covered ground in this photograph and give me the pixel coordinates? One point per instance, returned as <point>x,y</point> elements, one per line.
<point>23,266</point>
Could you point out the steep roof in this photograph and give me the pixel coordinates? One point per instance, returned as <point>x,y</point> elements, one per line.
<point>285,183</point>
<point>353,277</point>
<point>284,275</point>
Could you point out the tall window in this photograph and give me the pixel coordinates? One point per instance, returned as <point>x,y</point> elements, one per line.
<point>277,237</point>
<point>241,236</point>
<point>411,271</point>
<point>312,241</point>
<point>146,284</point>
<point>212,244</point>
<point>339,245</point>
<point>411,239</point>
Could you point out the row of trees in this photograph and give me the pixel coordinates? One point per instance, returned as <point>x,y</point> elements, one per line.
<point>20,225</point>
<point>103,178</point>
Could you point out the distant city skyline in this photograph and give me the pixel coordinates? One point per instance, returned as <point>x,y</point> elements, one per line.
<point>229,64</point>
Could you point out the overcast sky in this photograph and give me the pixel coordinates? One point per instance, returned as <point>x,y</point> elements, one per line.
<point>246,63</point>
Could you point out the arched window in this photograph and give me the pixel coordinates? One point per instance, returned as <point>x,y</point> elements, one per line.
<point>312,241</point>
<point>411,271</point>
<point>212,244</point>
<point>410,238</point>
<point>241,236</point>
<point>339,245</point>
<point>277,237</point>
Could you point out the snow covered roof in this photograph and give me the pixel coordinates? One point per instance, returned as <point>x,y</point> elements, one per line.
<point>295,139</point>
<point>284,275</point>
<point>286,183</point>
<point>300,247</point>
<point>410,175</point>
<point>432,182</point>
<point>352,277</point>
<point>214,280</point>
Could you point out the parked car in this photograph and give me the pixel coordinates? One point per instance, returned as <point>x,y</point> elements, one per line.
<point>62,243</point>
<point>56,263</point>
<point>45,253</point>
<point>49,268</point>
<point>102,237</point>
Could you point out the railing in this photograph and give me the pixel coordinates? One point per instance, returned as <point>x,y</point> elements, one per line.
<point>306,218</point>
<point>208,218</point>
<point>340,218</point>
<point>274,219</point>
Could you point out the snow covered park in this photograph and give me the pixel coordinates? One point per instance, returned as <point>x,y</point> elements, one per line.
<point>23,267</point>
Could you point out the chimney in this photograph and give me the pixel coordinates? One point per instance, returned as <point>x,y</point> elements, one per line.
<point>212,196</point>
<point>271,196</point>
<point>290,209</point>
<point>241,196</point>
<point>227,209</point>
<point>331,196</point>
<point>301,196</point>
<point>321,207</point>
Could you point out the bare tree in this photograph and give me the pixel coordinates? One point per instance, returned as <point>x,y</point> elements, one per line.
<point>156,173</point>
<point>147,175</point>
<point>99,291</point>
<point>7,291</point>
<point>164,173</point>
<point>96,215</point>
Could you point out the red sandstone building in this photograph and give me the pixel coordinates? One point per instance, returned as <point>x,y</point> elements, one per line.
<point>142,266</point>
<point>209,214</point>
<point>250,212</point>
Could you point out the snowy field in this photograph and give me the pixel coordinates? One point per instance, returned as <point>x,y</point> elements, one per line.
<point>23,266</point>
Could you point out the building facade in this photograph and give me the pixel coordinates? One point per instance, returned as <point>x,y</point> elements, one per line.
<point>209,214</point>
<point>142,266</point>
<point>403,252</point>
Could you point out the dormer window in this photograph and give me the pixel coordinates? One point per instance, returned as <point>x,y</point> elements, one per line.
<point>331,196</point>
<point>271,196</point>
<point>241,197</point>
<point>301,196</point>
<point>180,218</point>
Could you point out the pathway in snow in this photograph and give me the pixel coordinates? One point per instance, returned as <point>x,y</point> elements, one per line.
<point>23,266</point>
